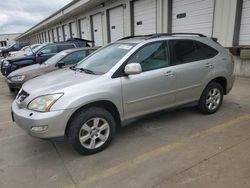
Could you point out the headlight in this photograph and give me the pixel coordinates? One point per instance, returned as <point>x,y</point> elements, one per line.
<point>6,63</point>
<point>17,78</point>
<point>44,103</point>
<point>0,51</point>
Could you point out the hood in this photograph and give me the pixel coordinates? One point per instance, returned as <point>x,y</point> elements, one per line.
<point>28,70</point>
<point>57,81</point>
<point>19,57</point>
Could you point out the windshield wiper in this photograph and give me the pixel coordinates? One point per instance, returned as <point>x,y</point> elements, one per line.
<point>83,70</point>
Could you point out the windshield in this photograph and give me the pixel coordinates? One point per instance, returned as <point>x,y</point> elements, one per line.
<point>56,58</point>
<point>35,50</point>
<point>103,60</point>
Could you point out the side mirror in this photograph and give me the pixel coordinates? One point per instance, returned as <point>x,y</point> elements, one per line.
<point>133,68</point>
<point>60,64</point>
<point>39,53</point>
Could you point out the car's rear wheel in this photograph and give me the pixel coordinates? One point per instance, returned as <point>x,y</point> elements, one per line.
<point>211,98</point>
<point>91,130</point>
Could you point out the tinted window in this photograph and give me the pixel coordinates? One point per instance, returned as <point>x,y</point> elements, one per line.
<point>152,56</point>
<point>185,51</point>
<point>206,51</point>
<point>65,46</point>
<point>51,49</point>
<point>74,57</point>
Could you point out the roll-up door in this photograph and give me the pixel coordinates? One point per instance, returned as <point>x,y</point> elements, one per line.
<point>244,38</point>
<point>66,32</point>
<point>116,23</point>
<point>84,29</point>
<point>60,34</point>
<point>55,35</point>
<point>144,17</point>
<point>194,16</point>
<point>97,29</point>
<point>51,36</point>
<point>73,30</point>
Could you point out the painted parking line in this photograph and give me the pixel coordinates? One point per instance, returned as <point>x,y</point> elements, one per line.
<point>156,152</point>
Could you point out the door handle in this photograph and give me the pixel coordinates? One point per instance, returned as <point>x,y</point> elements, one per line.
<point>169,74</point>
<point>209,65</point>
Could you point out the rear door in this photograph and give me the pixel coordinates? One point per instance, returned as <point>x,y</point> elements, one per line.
<point>154,88</point>
<point>193,64</point>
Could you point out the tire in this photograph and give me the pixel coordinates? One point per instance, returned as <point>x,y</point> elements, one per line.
<point>87,124</point>
<point>211,98</point>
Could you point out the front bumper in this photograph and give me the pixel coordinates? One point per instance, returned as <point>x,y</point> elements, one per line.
<point>55,121</point>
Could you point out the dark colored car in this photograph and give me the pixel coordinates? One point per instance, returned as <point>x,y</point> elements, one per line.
<point>65,58</point>
<point>40,54</point>
<point>15,47</point>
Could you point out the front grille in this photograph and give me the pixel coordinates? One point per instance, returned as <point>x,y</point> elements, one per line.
<point>22,95</point>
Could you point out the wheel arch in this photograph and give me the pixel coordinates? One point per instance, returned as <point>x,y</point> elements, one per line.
<point>105,104</point>
<point>221,80</point>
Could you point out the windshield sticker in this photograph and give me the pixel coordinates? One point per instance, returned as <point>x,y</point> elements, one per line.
<point>125,47</point>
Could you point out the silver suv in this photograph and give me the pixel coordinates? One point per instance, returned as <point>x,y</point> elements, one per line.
<point>123,80</point>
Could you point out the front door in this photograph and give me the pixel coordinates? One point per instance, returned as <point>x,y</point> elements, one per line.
<point>154,88</point>
<point>46,53</point>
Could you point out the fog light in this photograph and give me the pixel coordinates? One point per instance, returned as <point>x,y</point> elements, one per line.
<point>41,128</point>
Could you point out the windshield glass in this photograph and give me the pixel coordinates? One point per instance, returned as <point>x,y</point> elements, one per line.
<point>102,61</point>
<point>35,50</point>
<point>56,58</point>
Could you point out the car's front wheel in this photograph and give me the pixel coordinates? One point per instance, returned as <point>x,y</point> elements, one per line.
<point>211,98</point>
<point>91,130</point>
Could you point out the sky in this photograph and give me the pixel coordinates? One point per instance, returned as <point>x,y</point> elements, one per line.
<point>17,16</point>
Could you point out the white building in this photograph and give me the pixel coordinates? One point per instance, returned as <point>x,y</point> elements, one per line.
<point>8,39</point>
<point>105,21</point>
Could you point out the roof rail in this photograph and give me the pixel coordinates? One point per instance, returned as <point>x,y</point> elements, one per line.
<point>171,34</point>
<point>157,35</point>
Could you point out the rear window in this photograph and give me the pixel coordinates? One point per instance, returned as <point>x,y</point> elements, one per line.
<point>186,51</point>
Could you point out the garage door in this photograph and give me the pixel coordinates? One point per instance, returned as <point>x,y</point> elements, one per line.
<point>55,35</point>
<point>97,29</point>
<point>194,16</point>
<point>66,32</point>
<point>245,24</point>
<point>144,17</point>
<point>73,29</point>
<point>51,36</point>
<point>60,34</point>
<point>84,29</point>
<point>116,23</point>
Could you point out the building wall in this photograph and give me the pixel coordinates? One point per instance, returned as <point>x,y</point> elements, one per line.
<point>8,38</point>
<point>226,22</point>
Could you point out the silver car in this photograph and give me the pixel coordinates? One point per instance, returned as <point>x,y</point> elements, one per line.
<point>123,80</point>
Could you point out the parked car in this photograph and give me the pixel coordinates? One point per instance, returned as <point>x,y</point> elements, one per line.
<point>15,47</point>
<point>63,59</point>
<point>24,50</point>
<point>40,54</point>
<point>126,79</point>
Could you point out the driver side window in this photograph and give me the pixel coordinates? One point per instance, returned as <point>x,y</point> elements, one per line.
<point>52,49</point>
<point>152,56</point>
